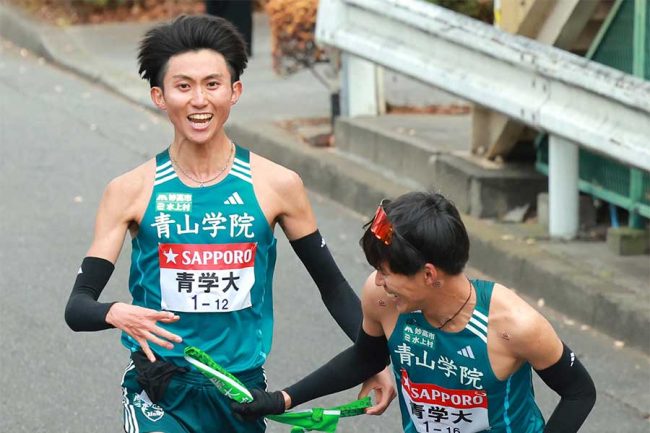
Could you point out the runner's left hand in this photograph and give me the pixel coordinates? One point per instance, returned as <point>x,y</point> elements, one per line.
<point>384,387</point>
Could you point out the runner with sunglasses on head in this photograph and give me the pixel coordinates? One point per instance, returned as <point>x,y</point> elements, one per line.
<point>462,350</point>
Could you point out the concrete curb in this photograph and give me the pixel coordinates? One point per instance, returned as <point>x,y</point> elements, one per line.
<point>57,46</point>
<point>563,285</point>
<point>359,185</point>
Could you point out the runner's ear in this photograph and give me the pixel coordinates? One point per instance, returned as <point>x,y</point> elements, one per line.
<point>430,274</point>
<point>158,98</point>
<point>237,89</point>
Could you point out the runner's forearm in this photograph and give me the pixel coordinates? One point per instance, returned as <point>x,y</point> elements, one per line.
<point>339,298</point>
<point>83,312</point>
<point>367,357</point>
<point>569,378</point>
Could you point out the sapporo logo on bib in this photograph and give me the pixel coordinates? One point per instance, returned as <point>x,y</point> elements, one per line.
<point>206,278</point>
<point>434,409</point>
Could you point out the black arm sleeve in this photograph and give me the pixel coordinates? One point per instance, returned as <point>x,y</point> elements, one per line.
<point>367,357</point>
<point>83,312</point>
<point>569,378</point>
<point>339,298</point>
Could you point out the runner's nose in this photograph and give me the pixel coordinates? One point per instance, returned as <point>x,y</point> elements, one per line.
<point>198,97</point>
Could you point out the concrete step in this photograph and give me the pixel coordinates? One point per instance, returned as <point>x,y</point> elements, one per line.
<point>431,151</point>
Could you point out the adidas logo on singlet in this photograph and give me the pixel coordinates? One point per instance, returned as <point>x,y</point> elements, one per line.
<point>466,352</point>
<point>234,199</point>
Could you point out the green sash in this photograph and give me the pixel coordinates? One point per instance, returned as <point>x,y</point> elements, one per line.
<point>316,419</point>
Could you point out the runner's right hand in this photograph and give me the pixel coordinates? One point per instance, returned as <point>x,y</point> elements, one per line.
<point>264,403</point>
<point>141,324</point>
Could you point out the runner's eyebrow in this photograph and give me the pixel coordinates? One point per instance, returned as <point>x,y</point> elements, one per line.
<point>209,77</point>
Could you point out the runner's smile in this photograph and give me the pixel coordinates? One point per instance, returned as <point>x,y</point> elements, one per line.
<point>200,121</point>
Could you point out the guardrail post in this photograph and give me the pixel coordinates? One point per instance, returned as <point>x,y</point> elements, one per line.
<point>563,192</point>
<point>636,195</point>
<point>360,87</point>
<point>638,65</point>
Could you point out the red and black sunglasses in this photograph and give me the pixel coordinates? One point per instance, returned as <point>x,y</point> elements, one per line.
<point>383,229</point>
<point>381,226</point>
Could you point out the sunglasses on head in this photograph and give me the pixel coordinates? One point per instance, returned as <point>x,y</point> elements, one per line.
<point>381,226</point>
<point>383,229</point>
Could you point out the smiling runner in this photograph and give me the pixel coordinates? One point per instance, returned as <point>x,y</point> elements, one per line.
<point>201,215</point>
<point>463,351</point>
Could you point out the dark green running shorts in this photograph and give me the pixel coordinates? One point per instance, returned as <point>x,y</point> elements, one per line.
<point>191,404</point>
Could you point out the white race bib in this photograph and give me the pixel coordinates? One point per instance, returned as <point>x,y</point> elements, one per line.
<point>434,409</point>
<point>206,278</point>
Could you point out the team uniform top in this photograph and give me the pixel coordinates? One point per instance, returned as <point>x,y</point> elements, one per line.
<point>467,397</point>
<point>208,255</point>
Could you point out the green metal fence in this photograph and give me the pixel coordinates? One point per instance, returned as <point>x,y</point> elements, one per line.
<point>622,43</point>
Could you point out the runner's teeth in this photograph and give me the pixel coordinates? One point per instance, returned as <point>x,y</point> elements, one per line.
<point>199,117</point>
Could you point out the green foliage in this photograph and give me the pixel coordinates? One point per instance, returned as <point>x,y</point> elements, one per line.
<point>479,9</point>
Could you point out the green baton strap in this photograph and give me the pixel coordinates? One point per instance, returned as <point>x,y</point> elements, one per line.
<point>225,382</point>
<point>317,419</point>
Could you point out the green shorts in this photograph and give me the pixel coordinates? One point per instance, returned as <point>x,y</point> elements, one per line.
<point>191,404</point>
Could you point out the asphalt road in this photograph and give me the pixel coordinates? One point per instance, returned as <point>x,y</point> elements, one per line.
<point>62,139</point>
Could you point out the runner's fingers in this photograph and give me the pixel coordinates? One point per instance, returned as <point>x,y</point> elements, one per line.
<point>365,390</point>
<point>379,408</point>
<point>137,331</point>
<point>165,316</point>
<point>166,334</point>
<point>169,319</point>
<point>382,401</point>
<point>159,341</point>
<point>147,351</point>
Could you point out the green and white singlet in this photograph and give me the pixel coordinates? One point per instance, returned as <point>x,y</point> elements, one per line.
<point>467,397</point>
<point>207,254</point>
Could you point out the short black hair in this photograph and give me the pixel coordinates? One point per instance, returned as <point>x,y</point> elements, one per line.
<point>190,33</point>
<point>427,228</point>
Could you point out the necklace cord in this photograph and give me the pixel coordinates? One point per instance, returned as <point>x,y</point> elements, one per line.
<point>460,309</point>
<point>201,183</point>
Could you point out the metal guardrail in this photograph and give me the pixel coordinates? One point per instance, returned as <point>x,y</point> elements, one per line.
<point>547,88</point>
<point>623,48</point>
<point>578,102</point>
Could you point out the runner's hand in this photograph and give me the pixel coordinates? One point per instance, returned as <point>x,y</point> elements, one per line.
<point>382,384</point>
<point>141,324</point>
<point>264,403</point>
